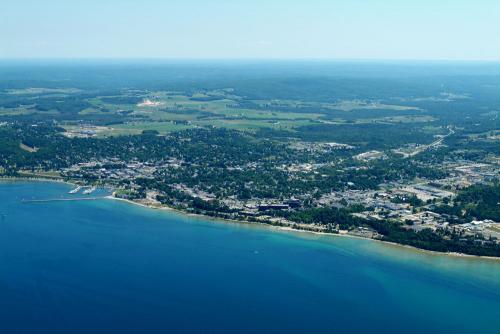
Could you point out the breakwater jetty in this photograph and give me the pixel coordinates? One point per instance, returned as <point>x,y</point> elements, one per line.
<point>47,200</point>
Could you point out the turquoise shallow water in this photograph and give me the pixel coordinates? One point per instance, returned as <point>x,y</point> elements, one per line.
<point>111,267</point>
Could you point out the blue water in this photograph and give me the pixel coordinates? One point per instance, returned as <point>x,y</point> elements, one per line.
<point>110,267</point>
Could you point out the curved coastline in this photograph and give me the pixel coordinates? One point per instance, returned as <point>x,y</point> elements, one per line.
<point>289,229</point>
<point>260,224</point>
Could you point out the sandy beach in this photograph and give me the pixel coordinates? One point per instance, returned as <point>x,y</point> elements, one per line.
<point>290,229</point>
<point>247,223</point>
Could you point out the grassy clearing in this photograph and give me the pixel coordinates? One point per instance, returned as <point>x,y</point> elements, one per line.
<point>40,90</point>
<point>252,125</point>
<point>397,119</point>
<point>15,111</point>
<point>27,148</point>
<point>345,105</point>
<point>135,128</point>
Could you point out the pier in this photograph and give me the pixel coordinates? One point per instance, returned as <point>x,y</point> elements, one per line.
<point>48,200</point>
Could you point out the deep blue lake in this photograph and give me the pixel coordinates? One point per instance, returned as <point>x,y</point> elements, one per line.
<point>106,266</point>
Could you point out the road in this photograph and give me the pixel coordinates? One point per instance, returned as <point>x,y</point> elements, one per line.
<point>423,148</point>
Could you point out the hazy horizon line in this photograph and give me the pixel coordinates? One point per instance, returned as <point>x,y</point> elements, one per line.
<point>254,59</point>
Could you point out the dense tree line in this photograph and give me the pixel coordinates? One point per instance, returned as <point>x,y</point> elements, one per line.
<point>475,202</point>
<point>443,240</point>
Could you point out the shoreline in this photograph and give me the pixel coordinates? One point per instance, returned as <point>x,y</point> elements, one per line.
<point>290,229</point>
<point>249,223</point>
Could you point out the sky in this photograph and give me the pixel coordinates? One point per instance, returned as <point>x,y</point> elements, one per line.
<point>251,29</point>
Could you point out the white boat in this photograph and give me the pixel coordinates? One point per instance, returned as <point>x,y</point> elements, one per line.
<point>74,191</point>
<point>89,191</point>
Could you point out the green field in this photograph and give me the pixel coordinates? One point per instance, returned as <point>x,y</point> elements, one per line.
<point>132,112</point>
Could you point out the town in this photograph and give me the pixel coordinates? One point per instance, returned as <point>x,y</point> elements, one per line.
<point>410,202</point>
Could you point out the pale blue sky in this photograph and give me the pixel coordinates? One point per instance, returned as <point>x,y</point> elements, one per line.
<point>336,29</point>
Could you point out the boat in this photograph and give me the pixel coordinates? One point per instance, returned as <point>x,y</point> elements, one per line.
<point>89,191</point>
<point>74,191</point>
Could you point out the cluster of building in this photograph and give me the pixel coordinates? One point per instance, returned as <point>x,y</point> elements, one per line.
<point>111,170</point>
<point>85,131</point>
<point>320,147</point>
<point>395,201</point>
